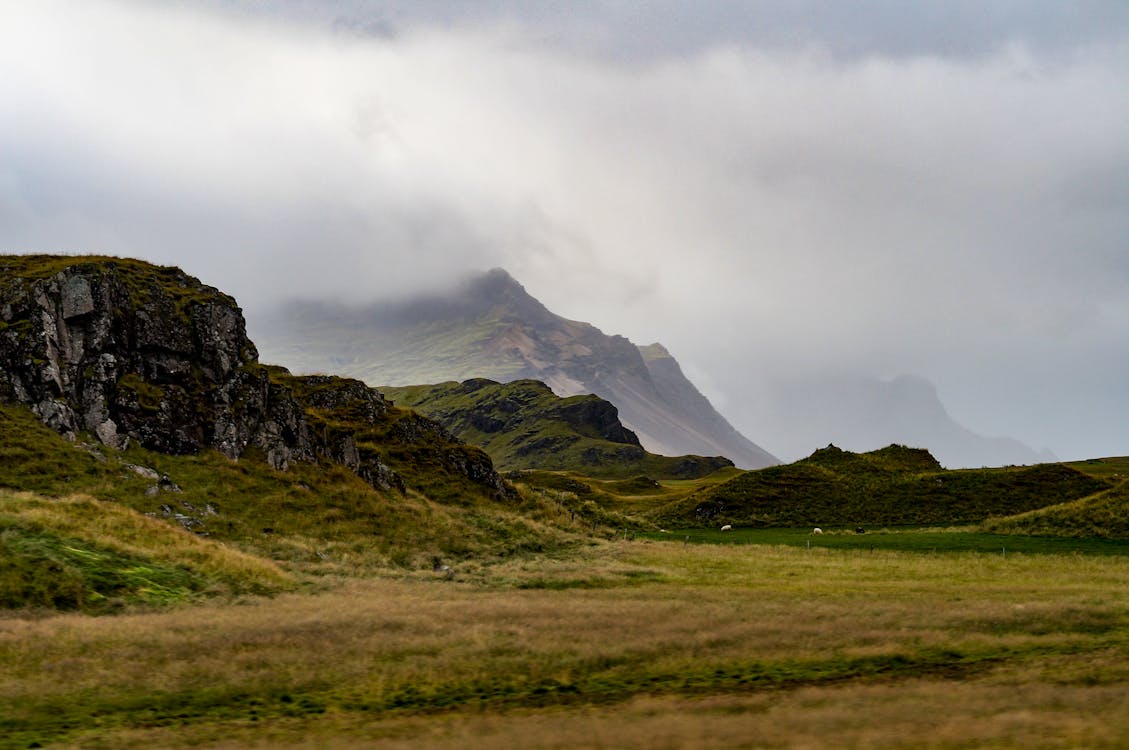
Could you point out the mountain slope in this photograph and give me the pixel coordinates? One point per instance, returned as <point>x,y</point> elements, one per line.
<point>523,424</point>
<point>492,328</point>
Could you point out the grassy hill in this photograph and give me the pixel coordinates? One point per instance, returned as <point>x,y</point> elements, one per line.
<point>1102,515</point>
<point>523,425</point>
<point>1105,514</point>
<point>894,485</point>
<point>89,527</point>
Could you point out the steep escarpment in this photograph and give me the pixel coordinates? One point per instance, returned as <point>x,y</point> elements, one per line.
<point>128,351</point>
<point>524,425</point>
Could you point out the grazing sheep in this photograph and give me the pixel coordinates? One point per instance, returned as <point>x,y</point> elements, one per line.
<point>727,527</point>
<point>817,530</point>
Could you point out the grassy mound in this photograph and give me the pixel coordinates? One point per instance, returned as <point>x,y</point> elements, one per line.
<point>1105,515</point>
<point>316,518</point>
<point>895,485</point>
<point>81,553</point>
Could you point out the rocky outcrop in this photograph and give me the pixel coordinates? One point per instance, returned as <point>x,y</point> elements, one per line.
<point>524,425</point>
<point>127,351</point>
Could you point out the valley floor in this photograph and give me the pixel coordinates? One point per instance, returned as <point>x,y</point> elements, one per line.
<point>635,644</point>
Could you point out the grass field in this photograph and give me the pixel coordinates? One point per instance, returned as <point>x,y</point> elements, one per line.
<point>628,644</point>
<point>912,539</point>
<point>304,609</point>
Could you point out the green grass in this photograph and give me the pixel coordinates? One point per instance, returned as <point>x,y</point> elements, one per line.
<point>539,636</point>
<point>317,518</point>
<point>1112,469</point>
<point>763,634</point>
<point>85,554</point>
<point>1103,515</point>
<point>47,571</point>
<point>910,539</point>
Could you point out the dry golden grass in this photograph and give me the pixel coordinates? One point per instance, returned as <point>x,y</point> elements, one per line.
<point>912,714</point>
<point>626,645</point>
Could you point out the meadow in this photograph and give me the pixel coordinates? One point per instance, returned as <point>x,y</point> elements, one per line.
<point>229,605</point>
<point>930,539</point>
<point>644,643</point>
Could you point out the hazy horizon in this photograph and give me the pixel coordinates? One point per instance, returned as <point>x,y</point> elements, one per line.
<point>780,193</point>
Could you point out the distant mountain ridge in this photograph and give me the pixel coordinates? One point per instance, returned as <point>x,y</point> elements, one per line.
<point>861,414</point>
<point>490,327</point>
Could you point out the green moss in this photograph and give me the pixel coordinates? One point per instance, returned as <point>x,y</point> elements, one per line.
<point>148,395</point>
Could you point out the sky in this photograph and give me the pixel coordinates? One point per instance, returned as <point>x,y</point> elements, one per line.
<point>779,192</point>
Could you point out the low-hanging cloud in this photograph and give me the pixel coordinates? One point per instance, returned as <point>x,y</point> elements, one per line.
<point>768,212</point>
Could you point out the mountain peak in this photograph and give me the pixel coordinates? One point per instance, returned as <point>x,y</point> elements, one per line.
<point>496,288</point>
<point>497,281</point>
<point>655,351</point>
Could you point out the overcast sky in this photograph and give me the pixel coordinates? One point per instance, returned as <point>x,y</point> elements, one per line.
<point>777,191</point>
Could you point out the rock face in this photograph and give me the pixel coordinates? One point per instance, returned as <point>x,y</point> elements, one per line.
<point>127,351</point>
<point>492,328</point>
<point>130,351</point>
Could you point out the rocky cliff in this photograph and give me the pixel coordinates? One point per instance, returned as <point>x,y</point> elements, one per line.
<point>492,328</point>
<point>127,351</point>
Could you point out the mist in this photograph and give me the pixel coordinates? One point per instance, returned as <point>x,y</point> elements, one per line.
<point>782,196</point>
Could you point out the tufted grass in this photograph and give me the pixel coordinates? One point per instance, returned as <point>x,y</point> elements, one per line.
<point>642,644</point>
<point>315,518</point>
<point>80,553</point>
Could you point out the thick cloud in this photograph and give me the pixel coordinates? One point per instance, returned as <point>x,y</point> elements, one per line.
<point>776,191</point>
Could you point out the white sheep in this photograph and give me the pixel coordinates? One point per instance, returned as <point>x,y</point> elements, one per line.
<point>817,530</point>
<point>727,527</point>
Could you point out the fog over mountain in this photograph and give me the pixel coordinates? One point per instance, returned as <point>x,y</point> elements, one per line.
<point>785,194</point>
<point>490,327</point>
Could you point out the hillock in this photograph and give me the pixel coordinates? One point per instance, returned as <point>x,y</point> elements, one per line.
<point>894,485</point>
<point>1104,515</point>
<point>524,425</point>
<point>92,527</point>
